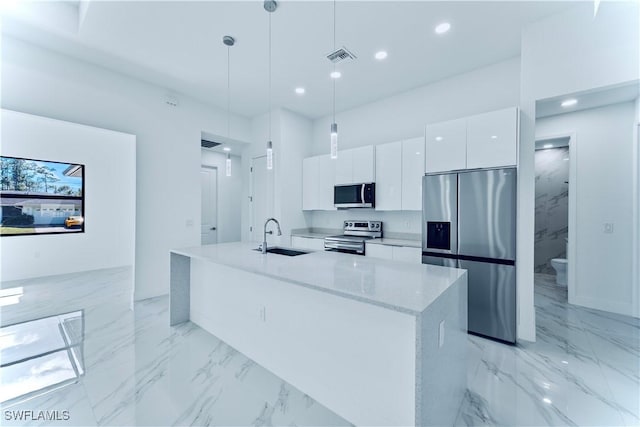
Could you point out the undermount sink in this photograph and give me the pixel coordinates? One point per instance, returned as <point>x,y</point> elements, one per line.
<point>283,251</point>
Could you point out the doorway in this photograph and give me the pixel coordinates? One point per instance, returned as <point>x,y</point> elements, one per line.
<point>552,211</point>
<point>209,197</point>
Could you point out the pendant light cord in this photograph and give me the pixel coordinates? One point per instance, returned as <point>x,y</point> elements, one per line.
<point>334,65</point>
<point>228,90</point>
<point>269,76</point>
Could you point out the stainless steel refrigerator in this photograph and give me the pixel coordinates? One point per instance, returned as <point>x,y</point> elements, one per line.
<point>469,221</point>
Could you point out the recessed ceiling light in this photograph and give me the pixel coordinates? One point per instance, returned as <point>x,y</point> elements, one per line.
<point>547,400</point>
<point>227,149</point>
<point>442,28</point>
<point>569,103</point>
<point>547,146</point>
<point>300,90</point>
<point>335,74</point>
<point>381,55</point>
<point>438,138</point>
<point>566,159</point>
<point>494,136</point>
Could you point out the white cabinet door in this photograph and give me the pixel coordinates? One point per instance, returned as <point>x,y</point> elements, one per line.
<point>412,173</point>
<point>326,179</point>
<point>363,164</point>
<point>389,176</point>
<point>375,250</point>
<point>492,139</point>
<point>307,243</point>
<point>344,167</point>
<point>407,254</point>
<point>310,170</point>
<point>446,146</point>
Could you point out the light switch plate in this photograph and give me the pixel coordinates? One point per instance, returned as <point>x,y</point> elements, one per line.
<point>441,334</point>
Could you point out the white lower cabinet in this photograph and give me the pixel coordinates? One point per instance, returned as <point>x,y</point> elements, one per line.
<point>307,243</point>
<point>378,251</point>
<point>395,253</point>
<point>407,254</point>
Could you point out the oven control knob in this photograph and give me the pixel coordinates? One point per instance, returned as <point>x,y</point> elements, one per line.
<point>377,225</point>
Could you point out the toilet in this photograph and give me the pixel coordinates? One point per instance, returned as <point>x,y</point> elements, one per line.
<point>560,266</point>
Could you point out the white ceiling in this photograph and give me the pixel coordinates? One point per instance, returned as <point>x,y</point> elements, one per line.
<point>178,45</point>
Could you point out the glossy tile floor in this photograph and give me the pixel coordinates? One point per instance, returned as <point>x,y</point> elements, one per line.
<point>583,370</point>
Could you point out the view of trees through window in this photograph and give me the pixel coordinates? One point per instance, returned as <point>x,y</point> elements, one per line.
<point>32,176</point>
<point>40,197</point>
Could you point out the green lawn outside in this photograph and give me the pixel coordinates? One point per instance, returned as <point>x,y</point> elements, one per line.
<point>16,230</point>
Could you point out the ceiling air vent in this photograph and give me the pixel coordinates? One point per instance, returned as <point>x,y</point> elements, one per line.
<point>208,144</point>
<point>340,55</point>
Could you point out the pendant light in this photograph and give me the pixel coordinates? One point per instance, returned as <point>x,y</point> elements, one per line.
<point>334,125</point>
<point>228,42</point>
<point>270,6</point>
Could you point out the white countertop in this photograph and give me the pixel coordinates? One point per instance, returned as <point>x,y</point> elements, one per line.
<point>399,286</point>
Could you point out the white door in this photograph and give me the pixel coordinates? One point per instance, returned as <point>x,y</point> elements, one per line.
<point>260,178</point>
<point>209,187</point>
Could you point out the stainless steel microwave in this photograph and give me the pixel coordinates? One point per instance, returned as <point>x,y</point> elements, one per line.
<point>354,196</point>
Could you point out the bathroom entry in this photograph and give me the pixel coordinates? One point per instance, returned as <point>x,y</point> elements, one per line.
<point>551,210</point>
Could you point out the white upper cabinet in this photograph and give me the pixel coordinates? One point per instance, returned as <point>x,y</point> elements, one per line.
<point>389,176</point>
<point>485,140</point>
<point>310,171</point>
<point>317,183</point>
<point>344,167</point>
<point>355,166</point>
<point>492,139</point>
<point>446,146</point>
<point>326,179</point>
<point>413,169</point>
<point>363,164</point>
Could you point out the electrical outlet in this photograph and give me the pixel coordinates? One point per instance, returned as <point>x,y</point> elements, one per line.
<point>263,314</point>
<point>441,334</point>
<point>188,223</point>
<point>608,228</point>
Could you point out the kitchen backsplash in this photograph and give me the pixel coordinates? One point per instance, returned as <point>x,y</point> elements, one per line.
<point>552,192</point>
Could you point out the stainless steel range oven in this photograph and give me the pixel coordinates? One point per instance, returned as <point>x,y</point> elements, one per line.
<point>356,233</point>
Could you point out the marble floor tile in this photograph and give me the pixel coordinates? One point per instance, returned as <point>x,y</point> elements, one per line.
<point>584,368</point>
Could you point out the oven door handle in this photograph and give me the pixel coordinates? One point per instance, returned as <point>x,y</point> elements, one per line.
<point>342,245</point>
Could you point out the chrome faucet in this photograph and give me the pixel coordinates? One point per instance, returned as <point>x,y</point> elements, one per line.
<point>264,239</point>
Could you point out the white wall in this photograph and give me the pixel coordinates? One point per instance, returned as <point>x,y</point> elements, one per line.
<point>562,54</point>
<point>229,194</point>
<point>291,136</point>
<point>110,197</point>
<point>605,163</point>
<point>405,115</point>
<point>41,82</point>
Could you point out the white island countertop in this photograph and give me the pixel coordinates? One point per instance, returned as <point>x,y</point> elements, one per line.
<point>404,287</point>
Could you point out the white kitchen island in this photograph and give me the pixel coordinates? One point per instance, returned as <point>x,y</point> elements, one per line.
<point>378,342</point>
